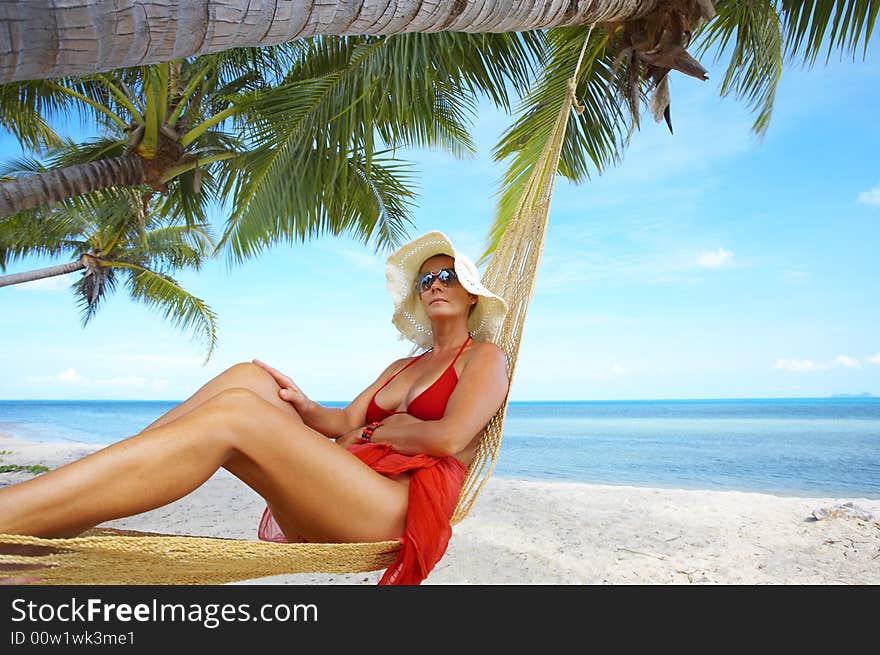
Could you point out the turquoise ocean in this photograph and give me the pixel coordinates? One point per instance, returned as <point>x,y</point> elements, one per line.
<point>792,446</point>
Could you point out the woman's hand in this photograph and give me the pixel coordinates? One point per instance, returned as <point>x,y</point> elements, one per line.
<point>289,391</point>
<point>351,437</point>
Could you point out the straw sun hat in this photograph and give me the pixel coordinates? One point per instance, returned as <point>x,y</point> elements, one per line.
<point>401,269</point>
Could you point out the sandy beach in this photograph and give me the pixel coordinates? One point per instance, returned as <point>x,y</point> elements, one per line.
<point>527,532</point>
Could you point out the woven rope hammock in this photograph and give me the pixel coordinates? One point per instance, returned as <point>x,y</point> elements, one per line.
<point>113,557</point>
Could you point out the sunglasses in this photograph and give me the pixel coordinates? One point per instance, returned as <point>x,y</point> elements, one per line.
<point>447,276</point>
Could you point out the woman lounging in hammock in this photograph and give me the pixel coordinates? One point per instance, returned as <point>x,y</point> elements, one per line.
<point>389,465</point>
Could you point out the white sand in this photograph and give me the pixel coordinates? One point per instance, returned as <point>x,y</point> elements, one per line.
<point>522,532</point>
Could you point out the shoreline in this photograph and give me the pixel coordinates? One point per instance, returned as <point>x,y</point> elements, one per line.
<point>535,532</point>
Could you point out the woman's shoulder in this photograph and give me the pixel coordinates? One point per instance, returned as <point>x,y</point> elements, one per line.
<point>486,351</point>
<point>490,363</point>
<point>487,346</point>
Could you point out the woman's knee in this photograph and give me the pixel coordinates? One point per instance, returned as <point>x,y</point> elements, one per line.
<point>239,415</point>
<point>248,374</point>
<point>233,412</point>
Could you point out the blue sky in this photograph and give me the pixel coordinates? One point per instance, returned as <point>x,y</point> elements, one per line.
<point>709,264</point>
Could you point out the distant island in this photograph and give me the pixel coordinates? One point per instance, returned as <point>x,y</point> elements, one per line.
<point>864,394</point>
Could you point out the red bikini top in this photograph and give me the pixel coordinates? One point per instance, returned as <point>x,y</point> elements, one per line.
<point>430,405</point>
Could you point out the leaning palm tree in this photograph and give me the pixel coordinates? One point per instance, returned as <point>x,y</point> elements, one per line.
<point>305,150</point>
<point>635,46</point>
<point>86,36</point>
<point>311,152</point>
<point>163,125</point>
<point>648,38</point>
<point>112,236</point>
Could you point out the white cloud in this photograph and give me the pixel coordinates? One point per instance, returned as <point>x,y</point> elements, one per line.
<point>714,259</point>
<point>797,365</point>
<point>68,376</point>
<point>870,197</point>
<point>617,369</point>
<point>875,359</point>
<point>847,361</point>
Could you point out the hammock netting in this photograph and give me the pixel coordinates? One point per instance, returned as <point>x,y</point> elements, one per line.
<point>117,557</point>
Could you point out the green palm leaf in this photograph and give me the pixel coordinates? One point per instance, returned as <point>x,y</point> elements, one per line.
<point>371,201</point>
<point>348,97</point>
<point>69,153</point>
<point>39,233</point>
<point>23,112</point>
<point>175,246</point>
<point>382,188</point>
<point>20,166</point>
<point>594,139</point>
<point>181,308</point>
<point>756,57</point>
<point>811,25</point>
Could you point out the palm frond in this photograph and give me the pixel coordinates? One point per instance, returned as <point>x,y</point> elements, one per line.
<point>346,97</point>
<point>175,247</point>
<point>594,139</point>
<point>20,165</point>
<point>40,233</point>
<point>372,199</point>
<point>27,108</point>
<point>756,57</point>
<point>184,310</point>
<point>94,102</point>
<point>277,145</point>
<point>810,26</point>
<point>380,188</point>
<point>70,153</point>
<point>271,62</point>
<point>24,114</point>
<point>476,64</point>
<point>190,194</point>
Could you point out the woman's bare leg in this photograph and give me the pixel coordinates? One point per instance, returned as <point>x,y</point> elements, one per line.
<point>318,489</point>
<point>239,376</point>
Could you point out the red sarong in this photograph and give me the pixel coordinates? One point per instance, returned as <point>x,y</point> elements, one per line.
<point>433,494</point>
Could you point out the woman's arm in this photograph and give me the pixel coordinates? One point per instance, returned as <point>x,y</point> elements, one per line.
<point>329,421</point>
<point>332,422</point>
<point>480,392</point>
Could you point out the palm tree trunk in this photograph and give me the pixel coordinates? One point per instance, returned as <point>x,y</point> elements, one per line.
<point>41,273</point>
<point>38,189</point>
<point>52,38</point>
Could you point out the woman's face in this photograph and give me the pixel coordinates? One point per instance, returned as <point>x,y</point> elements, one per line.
<point>439,300</point>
